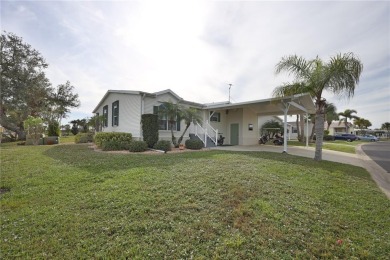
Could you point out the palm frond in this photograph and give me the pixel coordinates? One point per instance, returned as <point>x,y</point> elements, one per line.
<point>344,73</point>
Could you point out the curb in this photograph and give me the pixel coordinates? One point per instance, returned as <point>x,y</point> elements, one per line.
<point>378,174</point>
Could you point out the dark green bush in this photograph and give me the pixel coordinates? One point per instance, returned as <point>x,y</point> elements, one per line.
<point>194,144</point>
<point>101,137</point>
<point>328,138</point>
<point>138,146</point>
<point>163,145</point>
<point>150,129</point>
<point>83,138</point>
<point>53,129</point>
<point>115,146</point>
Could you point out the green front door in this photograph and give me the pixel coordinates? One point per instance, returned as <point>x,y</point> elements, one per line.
<point>234,134</point>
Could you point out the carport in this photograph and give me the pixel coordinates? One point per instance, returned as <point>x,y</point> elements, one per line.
<point>291,105</point>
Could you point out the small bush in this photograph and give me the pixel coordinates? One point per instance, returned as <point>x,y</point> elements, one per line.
<point>150,129</point>
<point>83,138</point>
<point>53,129</point>
<point>163,145</point>
<point>113,136</point>
<point>115,146</point>
<point>194,144</point>
<point>328,138</point>
<point>138,146</point>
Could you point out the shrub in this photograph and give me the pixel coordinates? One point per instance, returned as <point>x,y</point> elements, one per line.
<point>328,138</point>
<point>138,146</point>
<point>53,129</point>
<point>150,129</point>
<point>113,136</point>
<point>194,144</point>
<point>163,145</point>
<point>74,130</point>
<point>83,138</point>
<point>115,145</point>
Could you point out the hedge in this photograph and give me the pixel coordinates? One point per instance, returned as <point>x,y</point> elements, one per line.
<point>83,138</point>
<point>194,144</point>
<point>138,146</point>
<point>163,145</point>
<point>150,129</point>
<point>118,137</point>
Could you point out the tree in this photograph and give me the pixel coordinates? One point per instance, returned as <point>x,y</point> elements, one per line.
<point>330,114</point>
<point>34,127</point>
<point>171,111</point>
<point>386,126</point>
<point>61,100</point>
<point>96,122</point>
<point>339,76</point>
<point>25,90</point>
<point>189,115</point>
<point>24,86</point>
<point>272,127</point>
<point>362,123</point>
<point>347,114</point>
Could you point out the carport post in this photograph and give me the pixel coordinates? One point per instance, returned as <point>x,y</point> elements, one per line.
<point>307,130</point>
<point>285,110</point>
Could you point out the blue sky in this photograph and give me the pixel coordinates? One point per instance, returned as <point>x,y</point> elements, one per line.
<point>196,48</point>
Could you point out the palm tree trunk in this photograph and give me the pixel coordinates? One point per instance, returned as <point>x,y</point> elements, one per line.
<point>319,128</point>
<point>302,127</point>
<point>312,131</point>
<point>173,136</point>
<point>181,137</point>
<point>298,131</point>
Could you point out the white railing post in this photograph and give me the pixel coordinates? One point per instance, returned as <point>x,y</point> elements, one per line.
<point>205,137</point>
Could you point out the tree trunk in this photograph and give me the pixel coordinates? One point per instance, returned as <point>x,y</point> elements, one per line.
<point>319,128</point>
<point>298,131</point>
<point>173,136</point>
<point>312,131</point>
<point>302,127</point>
<point>20,133</point>
<point>181,137</point>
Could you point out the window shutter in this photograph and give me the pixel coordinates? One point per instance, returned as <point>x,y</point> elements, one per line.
<point>112,114</point>
<point>155,110</point>
<point>117,113</point>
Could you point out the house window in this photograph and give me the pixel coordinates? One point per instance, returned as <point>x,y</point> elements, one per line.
<point>105,116</point>
<point>215,116</point>
<point>163,122</point>
<point>115,113</point>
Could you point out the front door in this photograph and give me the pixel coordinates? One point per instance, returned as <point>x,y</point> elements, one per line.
<point>234,134</point>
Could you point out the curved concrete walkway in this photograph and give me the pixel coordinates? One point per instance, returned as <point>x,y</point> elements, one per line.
<point>378,174</point>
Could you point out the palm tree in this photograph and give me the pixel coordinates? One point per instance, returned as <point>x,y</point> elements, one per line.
<point>347,114</point>
<point>330,114</point>
<point>386,126</point>
<point>171,111</point>
<point>340,76</point>
<point>189,115</point>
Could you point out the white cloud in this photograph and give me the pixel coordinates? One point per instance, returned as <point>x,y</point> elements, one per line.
<point>198,48</point>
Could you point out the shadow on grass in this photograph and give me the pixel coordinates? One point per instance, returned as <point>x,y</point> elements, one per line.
<point>83,157</point>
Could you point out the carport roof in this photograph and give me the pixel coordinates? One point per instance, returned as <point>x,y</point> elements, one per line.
<point>273,106</point>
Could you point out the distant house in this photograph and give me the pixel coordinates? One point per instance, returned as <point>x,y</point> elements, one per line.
<point>338,127</point>
<point>239,123</point>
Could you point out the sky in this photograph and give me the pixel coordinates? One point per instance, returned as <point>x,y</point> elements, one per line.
<point>198,48</point>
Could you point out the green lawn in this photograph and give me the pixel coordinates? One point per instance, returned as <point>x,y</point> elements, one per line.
<point>69,202</point>
<point>338,145</point>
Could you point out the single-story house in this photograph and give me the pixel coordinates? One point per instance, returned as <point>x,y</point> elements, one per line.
<point>238,122</point>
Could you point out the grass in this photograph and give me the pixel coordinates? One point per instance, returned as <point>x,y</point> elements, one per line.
<point>337,145</point>
<point>67,139</point>
<point>68,202</point>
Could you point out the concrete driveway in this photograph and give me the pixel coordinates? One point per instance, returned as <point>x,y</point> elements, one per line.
<point>378,174</point>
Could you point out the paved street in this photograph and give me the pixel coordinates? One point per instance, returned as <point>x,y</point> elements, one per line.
<point>379,152</point>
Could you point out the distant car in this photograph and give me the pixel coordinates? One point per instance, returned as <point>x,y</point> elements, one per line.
<point>346,137</point>
<point>371,138</point>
